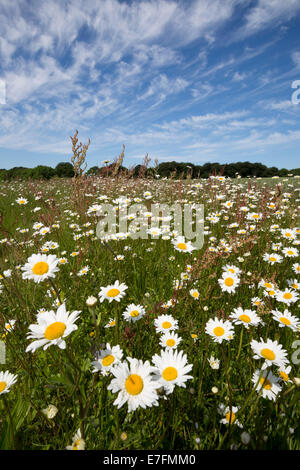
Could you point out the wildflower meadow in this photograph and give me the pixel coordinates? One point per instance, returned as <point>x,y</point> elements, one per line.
<point>126,343</point>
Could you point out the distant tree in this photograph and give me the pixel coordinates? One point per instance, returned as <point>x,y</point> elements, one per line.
<point>43,172</point>
<point>94,170</point>
<point>64,170</point>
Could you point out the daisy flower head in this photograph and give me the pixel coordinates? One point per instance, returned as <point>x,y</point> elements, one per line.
<point>171,369</point>
<point>290,252</point>
<point>113,292</point>
<point>286,319</point>
<point>288,296</point>
<point>9,326</point>
<point>219,330</point>
<point>294,284</point>
<point>51,328</point>
<point>195,294</point>
<point>181,245</point>
<point>231,269</point>
<point>22,201</point>
<point>272,258</point>
<point>134,384</point>
<point>107,358</point>
<point>245,317</point>
<point>170,340</point>
<point>6,381</point>
<point>40,267</point>
<point>283,373</point>
<point>256,301</point>
<point>214,363</point>
<point>134,312</point>
<point>266,383</point>
<point>270,351</point>
<point>229,282</point>
<point>229,415</point>
<point>288,233</point>
<point>165,323</point>
<point>296,268</point>
<point>78,443</point>
<point>111,323</point>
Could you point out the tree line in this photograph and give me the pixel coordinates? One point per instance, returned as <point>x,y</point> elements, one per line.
<point>164,170</point>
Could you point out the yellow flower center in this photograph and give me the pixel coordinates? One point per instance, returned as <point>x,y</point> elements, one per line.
<point>284,320</point>
<point>170,342</point>
<point>219,331</point>
<point>230,417</point>
<point>268,354</point>
<point>108,360</point>
<point>290,252</point>
<point>113,292</point>
<point>195,294</point>
<point>182,246</point>
<point>169,373</point>
<point>245,318</point>
<point>271,292</point>
<point>284,376</point>
<point>229,281</point>
<point>231,270</point>
<point>288,234</point>
<point>40,268</point>
<point>272,258</point>
<point>2,386</point>
<point>287,295</point>
<point>55,330</point>
<point>134,313</point>
<point>268,285</point>
<point>166,324</point>
<point>295,286</point>
<point>134,384</point>
<point>255,216</point>
<point>265,383</point>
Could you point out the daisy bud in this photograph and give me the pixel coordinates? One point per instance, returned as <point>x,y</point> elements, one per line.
<point>245,438</point>
<point>91,301</point>
<point>50,411</point>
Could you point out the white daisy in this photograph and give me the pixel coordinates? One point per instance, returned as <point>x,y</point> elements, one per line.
<point>286,319</point>
<point>134,312</point>
<point>288,296</point>
<point>40,267</point>
<point>266,383</point>
<point>270,351</point>
<point>229,415</point>
<point>51,328</point>
<point>180,244</point>
<point>113,292</point>
<point>134,382</point>
<point>107,358</point>
<point>165,323</point>
<point>171,369</point>
<point>6,381</point>
<point>245,317</point>
<point>78,443</point>
<point>170,340</point>
<point>229,282</point>
<point>219,330</point>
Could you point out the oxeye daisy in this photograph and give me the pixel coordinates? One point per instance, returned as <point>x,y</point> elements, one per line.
<point>107,358</point>
<point>113,292</point>
<point>83,271</point>
<point>214,363</point>
<point>134,312</point>
<point>294,284</point>
<point>290,252</point>
<point>195,293</point>
<point>283,373</point>
<point>40,267</point>
<point>296,268</point>
<point>245,317</point>
<point>286,319</point>
<point>165,323</point>
<point>256,301</point>
<point>22,201</point>
<point>229,415</point>
<point>171,369</point>
<point>170,340</point>
<point>266,284</point>
<point>231,269</point>
<point>272,258</point>
<point>6,381</point>
<point>111,323</point>
<point>181,245</point>
<point>266,383</point>
<point>219,330</point>
<point>270,351</point>
<point>288,296</point>
<point>229,282</point>
<point>51,328</point>
<point>9,326</point>
<point>78,443</point>
<point>133,380</point>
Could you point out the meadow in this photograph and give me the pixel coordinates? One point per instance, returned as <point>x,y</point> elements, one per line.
<point>149,344</point>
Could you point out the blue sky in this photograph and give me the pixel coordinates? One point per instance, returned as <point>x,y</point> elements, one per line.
<point>187,80</point>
